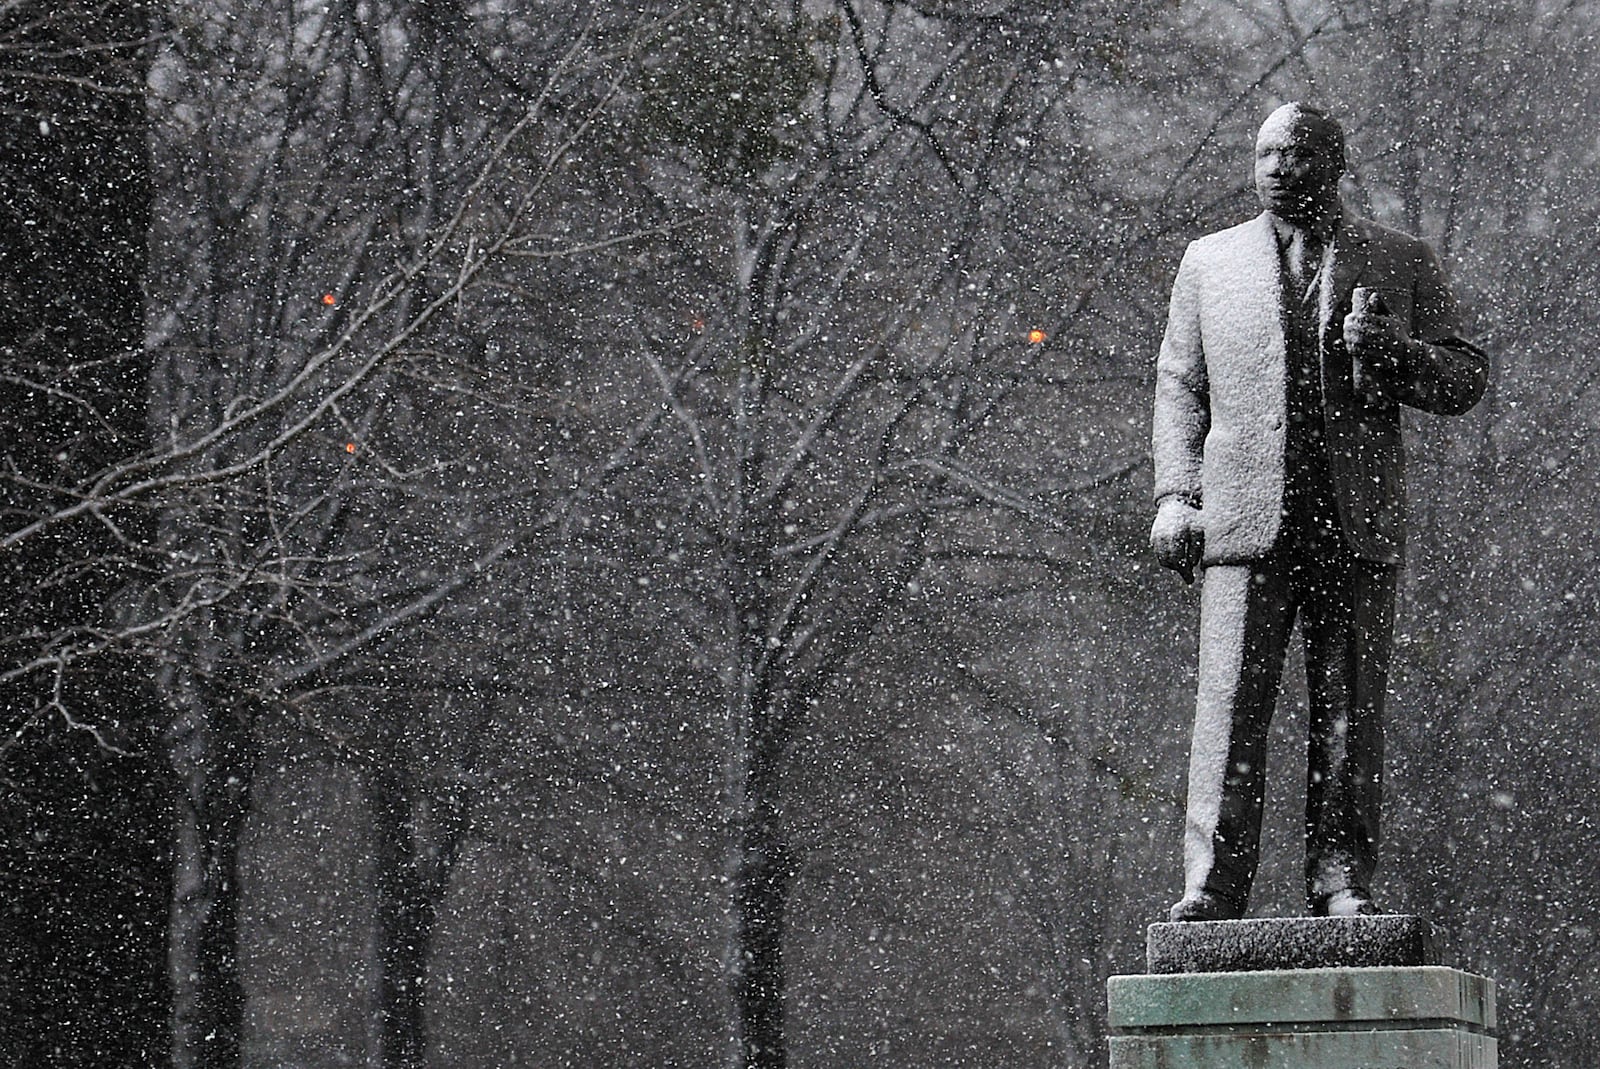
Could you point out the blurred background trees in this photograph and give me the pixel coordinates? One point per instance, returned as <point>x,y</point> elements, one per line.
<point>623,540</point>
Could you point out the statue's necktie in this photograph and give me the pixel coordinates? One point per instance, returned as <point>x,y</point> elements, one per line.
<point>1305,263</point>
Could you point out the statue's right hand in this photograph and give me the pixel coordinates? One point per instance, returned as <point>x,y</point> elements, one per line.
<point>1177,537</point>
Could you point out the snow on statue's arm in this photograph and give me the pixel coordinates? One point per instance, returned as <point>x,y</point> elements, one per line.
<point>1178,431</point>
<point>1183,394</point>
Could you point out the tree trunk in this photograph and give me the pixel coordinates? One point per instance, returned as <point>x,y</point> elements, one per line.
<point>214,756</point>
<point>416,840</point>
<point>406,908</point>
<point>83,871</point>
<point>762,885</point>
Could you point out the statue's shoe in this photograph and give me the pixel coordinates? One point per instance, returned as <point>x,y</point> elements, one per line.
<point>1351,902</point>
<point>1204,906</point>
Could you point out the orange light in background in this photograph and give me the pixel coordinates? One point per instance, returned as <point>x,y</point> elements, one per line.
<point>349,447</point>
<point>329,299</point>
<point>1036,336</point>
<point>697,324</point>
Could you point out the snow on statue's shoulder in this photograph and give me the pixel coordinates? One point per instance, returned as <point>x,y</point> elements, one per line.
<point>1246,255</point>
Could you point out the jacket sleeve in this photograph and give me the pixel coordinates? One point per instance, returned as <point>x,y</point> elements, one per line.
<point>1441,372</point>
<point>1183,399</point>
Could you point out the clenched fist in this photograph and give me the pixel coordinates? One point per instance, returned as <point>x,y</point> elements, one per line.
<point>1177,538</point>
<point>1376,341</point>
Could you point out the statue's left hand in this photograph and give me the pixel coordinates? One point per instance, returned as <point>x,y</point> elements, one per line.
<point>1377,341</point>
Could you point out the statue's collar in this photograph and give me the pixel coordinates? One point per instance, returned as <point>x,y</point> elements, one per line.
<point>1323,229</point>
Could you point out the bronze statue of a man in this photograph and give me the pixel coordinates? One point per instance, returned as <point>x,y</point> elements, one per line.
<point>1292,340</point>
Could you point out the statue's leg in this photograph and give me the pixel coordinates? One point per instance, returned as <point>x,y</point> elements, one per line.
<point>1245,619</point>
<point>1348,621</point>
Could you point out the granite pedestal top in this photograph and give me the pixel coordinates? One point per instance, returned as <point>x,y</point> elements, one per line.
<point>1289,943</point>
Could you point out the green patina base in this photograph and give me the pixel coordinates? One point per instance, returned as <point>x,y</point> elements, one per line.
<point>1385,1017</point>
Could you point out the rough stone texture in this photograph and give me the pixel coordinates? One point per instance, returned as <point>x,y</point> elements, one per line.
<point>1289,943</point>
<point>1395,1017</point>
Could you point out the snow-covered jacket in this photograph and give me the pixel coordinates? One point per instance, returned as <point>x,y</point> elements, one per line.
<point>1221,387</point>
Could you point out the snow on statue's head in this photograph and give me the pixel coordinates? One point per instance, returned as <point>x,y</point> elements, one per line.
<point>1314,125</point>
<point>1299,158</point>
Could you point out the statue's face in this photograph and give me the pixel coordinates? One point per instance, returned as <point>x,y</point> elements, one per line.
<point>1298,163</point>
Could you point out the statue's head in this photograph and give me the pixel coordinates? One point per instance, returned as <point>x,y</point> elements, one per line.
<point>1299,158</point>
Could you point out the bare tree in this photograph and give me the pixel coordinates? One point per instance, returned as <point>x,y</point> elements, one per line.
<point>332,342</point>
<point>860,324</point>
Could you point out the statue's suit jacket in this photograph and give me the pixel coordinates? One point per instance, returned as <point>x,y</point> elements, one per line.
<point>1221,395</point>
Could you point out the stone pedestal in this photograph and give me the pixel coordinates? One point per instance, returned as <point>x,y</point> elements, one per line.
<point>1357,993</point>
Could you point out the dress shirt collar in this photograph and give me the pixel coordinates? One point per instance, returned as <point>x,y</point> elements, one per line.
<point>1322,229</point>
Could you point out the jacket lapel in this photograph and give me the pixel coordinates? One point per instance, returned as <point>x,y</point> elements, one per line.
<point>1350,256</point>
<point>1261,252</point>
<point>1260,301</point>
